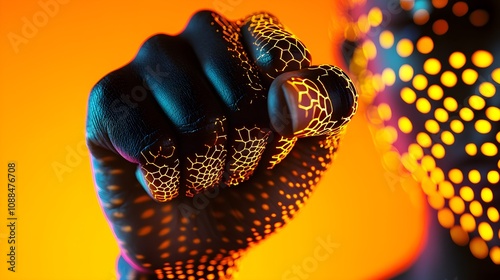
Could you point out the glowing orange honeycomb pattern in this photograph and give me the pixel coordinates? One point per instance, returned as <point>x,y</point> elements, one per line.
<point>162,178</point>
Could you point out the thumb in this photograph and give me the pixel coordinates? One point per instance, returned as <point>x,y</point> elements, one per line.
<point>314,101</point>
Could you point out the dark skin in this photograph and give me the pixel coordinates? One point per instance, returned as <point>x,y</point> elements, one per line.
<point>210,141</point>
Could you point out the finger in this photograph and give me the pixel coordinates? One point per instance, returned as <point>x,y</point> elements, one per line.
<point>273,49</point>
<point>124,120</point>
<point>185,96</point>
<point>319,101</point>
<point>235,79</point>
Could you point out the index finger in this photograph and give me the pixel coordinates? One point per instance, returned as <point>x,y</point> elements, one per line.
<point>274,49</point>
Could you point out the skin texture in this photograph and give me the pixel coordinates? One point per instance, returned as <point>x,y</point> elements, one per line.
<point>210,141</point>
<point>431,74</point>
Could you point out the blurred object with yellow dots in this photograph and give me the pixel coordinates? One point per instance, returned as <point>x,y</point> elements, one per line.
<point>429,74</point>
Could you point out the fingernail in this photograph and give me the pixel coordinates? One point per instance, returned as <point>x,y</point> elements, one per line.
<point>311,102</point>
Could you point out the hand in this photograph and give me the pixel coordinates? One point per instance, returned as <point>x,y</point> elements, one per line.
<point>209,141</point>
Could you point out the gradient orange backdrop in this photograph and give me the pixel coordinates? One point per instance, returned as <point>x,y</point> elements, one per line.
<point>45,79</point>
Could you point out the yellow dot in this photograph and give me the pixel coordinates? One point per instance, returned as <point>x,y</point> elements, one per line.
<point>447,138</point>
<point>478,248</point>
<point>435,92</point>
<point>496,75</point>
<point>469,76</point>
<point>415,151</point>
<point>493,177</point>
<point>375,16</point>
<point>487,89</point>
<point>457,205</point>
<point>432,66</point>
<point>438,151</point>
<point>404,47</point>
<point>446,218</point>
<point>423,105</point>
<point>424,140</point>
<point>467,193</point>
<point>405,73</point>
<point>386,39</point>
<point>482,126</point>
<point>387,135</point>
<point>436,200</point>
<point>449,79</point>
<point>432,126</point>
<point>405,125</point>
<point>437,175</point>
<point>384,111</point>
<point>493,214</point>
<point>482,58</point>
<point>388,76</point>
<point>446,189</point>
<point>441,115</point>
<point>477,102</point>
<point>408,95</point>
<point>450,104</point>
<point>474,176</point>
<point>466,114</point>
<point>468,222</point>
<point>419,82</point>
<point>475,208</point>
<point>493,113</point>
<point>486,195</point>
<point>363,24</point>
<point>428,163</point>
<point>457,60</point>
<point>489,149</point>
<point>471,149</point>
<point>456,176</point>
<point>495,255</point>
<point>457,126</point>
<point>369,49</point>
<point>428,186</point>
<point>425,45</point>
<point>485,231</point>
<point>459,236</point>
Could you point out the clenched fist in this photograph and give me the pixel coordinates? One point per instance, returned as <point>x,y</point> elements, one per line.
<point>209,141</point>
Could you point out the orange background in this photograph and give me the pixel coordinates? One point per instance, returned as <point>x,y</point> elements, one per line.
<point>61,232</point>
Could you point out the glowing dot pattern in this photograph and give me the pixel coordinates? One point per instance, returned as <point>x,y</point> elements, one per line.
<point>443,112</point>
